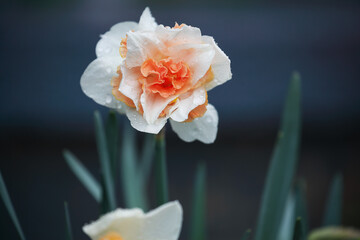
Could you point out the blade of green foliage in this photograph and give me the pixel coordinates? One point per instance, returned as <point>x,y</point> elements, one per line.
<point>161,180</point>
<point>246,235</point>
<point>68,234</point>
<point>104,204</point>
<point>112,136</point>
<point>147,157</point>
<point>146,162</point>
<point>8,204</point>
<point>105,163</point>
<point>85,177</point>
<point>198,223</point>
<point>134,196</point>
<point>301,206</point>
<point>298,233</point>
<point>282,166</point>
<point>286,228</point>
<point>332,216</point>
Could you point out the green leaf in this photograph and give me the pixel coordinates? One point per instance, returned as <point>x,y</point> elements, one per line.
<point>83,175</point>
<point>198,223</point>
<point>301,206</point>
<point>282,166</point>
<point>8,204</point>
<point>298,230</point>
<point>145,165</point>
<point>161,180</point>
<point>147,157</point>
<point>246,235</point>
<point>104,204</point>
<point>133,194</point>
<point>104,161</point>
<point>112,136</point>
<point>286,228</point>
<point>332,216</point>
<point>68,235</point>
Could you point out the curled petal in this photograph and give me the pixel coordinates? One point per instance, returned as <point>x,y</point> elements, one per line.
<point>153,105</point>
<point>109,44</point>
<point>138,122</point>
<point>176,36</point>
<point>141,46</point>
<point>96,82</point>
<point>147,21</point>
<point>203,129</point>
<point>220,65</point>
<point>187,102</point>
<point>163,223</point>
<point>127,222</point>
<point>129,85</point>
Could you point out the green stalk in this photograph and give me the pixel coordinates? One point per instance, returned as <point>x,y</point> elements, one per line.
<point>198,226</point>
<point>134,196</point>
<point>9,206</point>
<point>333,211</point>
<point>69,235</point>
<point>161,179</point>
<point>282,166</point>
<point>103,150</point>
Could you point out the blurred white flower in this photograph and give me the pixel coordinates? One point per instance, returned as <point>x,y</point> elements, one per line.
<point>152,73</point>
<point>163,223</point>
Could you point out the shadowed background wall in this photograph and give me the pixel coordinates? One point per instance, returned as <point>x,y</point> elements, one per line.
<point>46,45</point>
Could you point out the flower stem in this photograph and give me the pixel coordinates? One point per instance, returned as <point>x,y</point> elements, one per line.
<point>161,180</point>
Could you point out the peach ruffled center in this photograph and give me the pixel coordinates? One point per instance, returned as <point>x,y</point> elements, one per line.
<point>165,77</point>
<point>111,236</point>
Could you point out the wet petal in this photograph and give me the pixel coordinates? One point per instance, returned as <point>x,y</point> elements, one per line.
<point>141,46</point>
<point>203,129</point>
<point>220,65</point>
<point>96,82</point>
<point>153,105</point>
<point>125,222</point>
<point>176,36</point>
<point>187,102</point>
<point>130,85</point>
<point>139,123</point>
<point>163,223</point>
<point>109,43</point>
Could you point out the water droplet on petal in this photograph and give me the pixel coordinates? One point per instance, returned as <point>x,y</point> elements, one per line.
<point>108,99</point>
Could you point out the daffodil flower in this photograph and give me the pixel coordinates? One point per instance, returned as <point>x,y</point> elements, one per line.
<point>153,73</point>
<point>163,223</point>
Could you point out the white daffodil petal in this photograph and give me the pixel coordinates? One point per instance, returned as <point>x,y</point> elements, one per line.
<point>96,79</point>
<point>129,85</point>
<point>139,123</point>
<point>109,44</point>
<point>163,223</point>
<point>220,65</point>
<point>176,36</point>
<point>153,105</point>
<point>125,222</point>
<point>187,102</point>
<point>147,21</point>
<point>141,46</point>
<point>203,129</point>
<point>197,56</point>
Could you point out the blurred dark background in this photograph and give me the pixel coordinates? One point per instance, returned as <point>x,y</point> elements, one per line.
<point>46,45</point>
